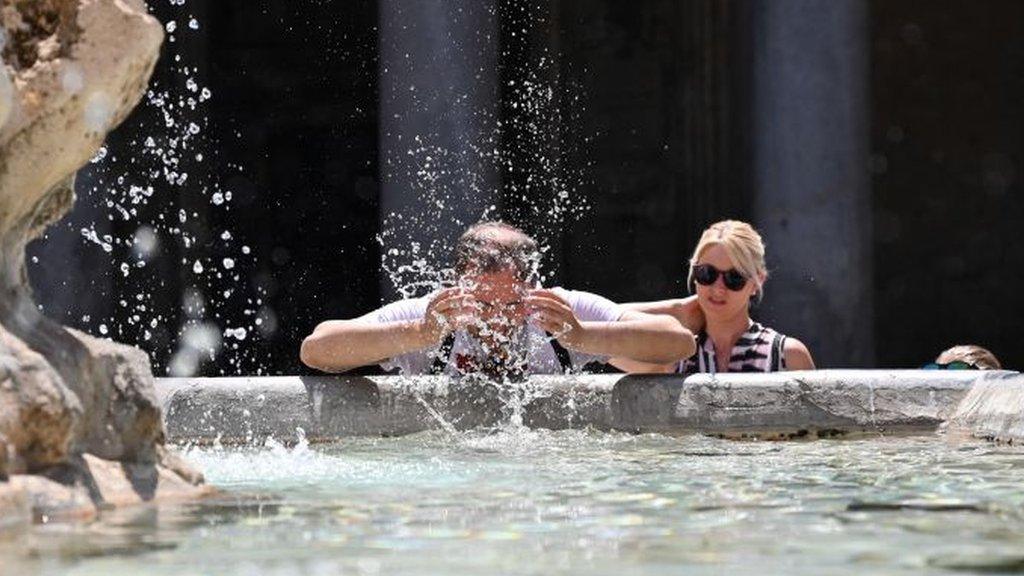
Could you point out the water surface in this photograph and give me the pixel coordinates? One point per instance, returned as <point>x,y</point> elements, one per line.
<point>538,502</point>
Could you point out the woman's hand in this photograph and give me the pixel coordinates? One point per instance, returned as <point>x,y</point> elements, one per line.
<point>687,311</point>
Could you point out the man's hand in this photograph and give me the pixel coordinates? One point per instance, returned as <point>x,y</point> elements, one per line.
<point>450,310</point>
<point>551,313</point>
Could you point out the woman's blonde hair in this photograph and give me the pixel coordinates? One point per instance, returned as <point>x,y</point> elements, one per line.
<point>742,243</point>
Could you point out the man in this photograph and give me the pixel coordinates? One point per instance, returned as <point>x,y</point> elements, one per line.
<point>496,321</point>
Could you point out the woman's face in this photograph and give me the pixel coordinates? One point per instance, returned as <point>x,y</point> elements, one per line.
<point>717,301</point>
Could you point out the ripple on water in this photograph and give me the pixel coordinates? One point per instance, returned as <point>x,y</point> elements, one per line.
<point>532,501</point>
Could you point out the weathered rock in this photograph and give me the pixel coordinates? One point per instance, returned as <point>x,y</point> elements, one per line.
<point>6,95</point>
<point>173,462</point>
<point>993,409</point>
<point>70,403</point>
<point>37,411</point>
<point>126,483</point>
<point>80,488</point>
<point>54,500</point>
<point>123,417</point>
<point>78,68</point>
<point>15,510</point>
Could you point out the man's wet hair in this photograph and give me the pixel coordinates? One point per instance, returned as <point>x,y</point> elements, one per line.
<point>495,246</point>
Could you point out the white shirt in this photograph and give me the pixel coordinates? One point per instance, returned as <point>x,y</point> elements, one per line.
<point>542,359</point>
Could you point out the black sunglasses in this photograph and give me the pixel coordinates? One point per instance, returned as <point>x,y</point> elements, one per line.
<point>954,365</point>
<point>706,274</point>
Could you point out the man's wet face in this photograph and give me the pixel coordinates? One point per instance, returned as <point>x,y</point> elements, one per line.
<point>500,299</point>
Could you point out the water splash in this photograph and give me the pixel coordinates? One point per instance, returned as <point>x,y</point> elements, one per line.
<point>159,192</point>
<point>528,140</point>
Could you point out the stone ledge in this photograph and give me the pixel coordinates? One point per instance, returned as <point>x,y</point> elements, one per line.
<point>782,405</point>
<point>993,409</point>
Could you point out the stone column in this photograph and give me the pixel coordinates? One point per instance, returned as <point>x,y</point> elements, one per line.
<point>438,112</point>
<point>810,130</point>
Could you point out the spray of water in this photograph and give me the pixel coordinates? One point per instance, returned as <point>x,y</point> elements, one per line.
<point>158,187</point>
<point>528,140</point>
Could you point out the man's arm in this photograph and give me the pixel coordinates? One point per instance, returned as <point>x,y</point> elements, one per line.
<point>339,345</point>
<point>643,338</point>
<point>635,336</point>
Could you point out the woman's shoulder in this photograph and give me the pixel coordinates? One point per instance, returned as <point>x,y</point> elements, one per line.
<point>794,352</point>
<point>798,357</point>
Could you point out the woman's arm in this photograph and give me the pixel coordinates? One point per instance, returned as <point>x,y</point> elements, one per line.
<point>686,310</point>
<point>798,357</point>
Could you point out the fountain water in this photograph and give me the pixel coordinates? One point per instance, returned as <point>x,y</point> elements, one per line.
<point>547,475</point>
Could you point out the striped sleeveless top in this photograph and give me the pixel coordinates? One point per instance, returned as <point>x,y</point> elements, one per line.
<point>759,349</point>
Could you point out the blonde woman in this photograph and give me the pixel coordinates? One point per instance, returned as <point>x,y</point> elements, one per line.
<point>727,272</point>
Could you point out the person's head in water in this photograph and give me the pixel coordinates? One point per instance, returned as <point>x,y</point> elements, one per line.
<point>967,357</point>
<point>497,264</point>
<point>727,269</point>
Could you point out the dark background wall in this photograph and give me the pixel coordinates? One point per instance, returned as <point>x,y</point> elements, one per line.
<point>297,84</point>
<point>664,112</point>
<point>948,139</point>
<point>652,127</point>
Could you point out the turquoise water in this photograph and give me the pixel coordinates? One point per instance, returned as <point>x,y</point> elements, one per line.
<point>538,502</point>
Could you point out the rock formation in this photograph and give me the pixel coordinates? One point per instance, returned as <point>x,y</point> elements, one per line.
<point>69,403</point>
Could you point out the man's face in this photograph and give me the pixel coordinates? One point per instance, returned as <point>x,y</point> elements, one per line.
<point>500,298</point>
